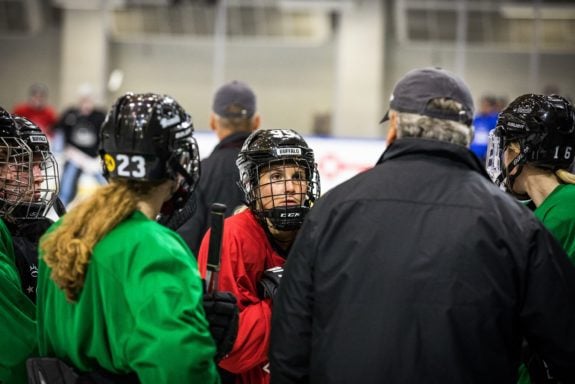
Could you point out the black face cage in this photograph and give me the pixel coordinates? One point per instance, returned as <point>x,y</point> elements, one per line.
<point>494,158</point>
<point>284,214</point>
<point>183,166</point>
<point>495,166</point>
<point>29,180</point>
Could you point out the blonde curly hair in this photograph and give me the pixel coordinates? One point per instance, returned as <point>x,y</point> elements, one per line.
<point>67,250</point>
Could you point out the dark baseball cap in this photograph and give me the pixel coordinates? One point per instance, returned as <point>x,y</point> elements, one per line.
<point>234,99</point>
<point>413,92</point>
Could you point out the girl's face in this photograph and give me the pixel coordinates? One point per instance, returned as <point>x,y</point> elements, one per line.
<point>20,183</point>
<point>282,185</point>
<point>509,154</point>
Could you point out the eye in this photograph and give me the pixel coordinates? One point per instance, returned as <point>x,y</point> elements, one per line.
<point>299,175</point>
<point>276,176</point>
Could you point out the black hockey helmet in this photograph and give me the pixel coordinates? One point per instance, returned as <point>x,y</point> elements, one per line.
<point>43,167</point>
<point>7,124</point>
<point>544,129</point>
<point>32,135</point>
<point>148,137</point>
<point>264,148</point>
<point>16,183</point>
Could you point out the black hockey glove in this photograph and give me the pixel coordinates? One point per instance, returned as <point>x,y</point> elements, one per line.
<point>49,370</point>
<point>223,315</point>
<point>270,282</point>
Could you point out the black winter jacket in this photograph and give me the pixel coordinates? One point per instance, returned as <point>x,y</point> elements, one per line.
<point>421,270</point>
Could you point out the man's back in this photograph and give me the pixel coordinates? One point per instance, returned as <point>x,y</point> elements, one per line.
<point>218,184</point>
<point>233,118</point>
<point>431,278</point>
<point>220,176</point>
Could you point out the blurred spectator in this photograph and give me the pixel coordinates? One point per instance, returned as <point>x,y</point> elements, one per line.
<point>80,126</point>
<point>484,121</point>
<point>37,110</point>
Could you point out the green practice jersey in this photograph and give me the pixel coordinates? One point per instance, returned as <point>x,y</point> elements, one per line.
<point>17,325</point>
<point>557,213</point>
<point>140,309</point>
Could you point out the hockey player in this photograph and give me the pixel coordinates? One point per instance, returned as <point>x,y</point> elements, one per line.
<point>28,221</point>
<point>530,152</point>
<point>28,186</point>
<point>119,295</point>
<point>280,181</point>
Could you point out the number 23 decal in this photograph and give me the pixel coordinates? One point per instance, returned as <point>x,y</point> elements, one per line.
<point>131,166</point>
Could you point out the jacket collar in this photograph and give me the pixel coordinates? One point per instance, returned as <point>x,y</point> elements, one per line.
<point>409,146</point>
<point>235,139</point>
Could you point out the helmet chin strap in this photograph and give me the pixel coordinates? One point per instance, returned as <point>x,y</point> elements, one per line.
<point>180,195</point>
<point>176,166</point>
<point>517,163</point>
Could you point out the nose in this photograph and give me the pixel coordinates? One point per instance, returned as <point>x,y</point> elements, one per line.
<point>37,174</point>
<point>289,186</point>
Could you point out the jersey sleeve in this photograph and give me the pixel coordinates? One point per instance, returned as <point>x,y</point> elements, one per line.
<point>251,345</point>
<point>170,342</point>
<point>17,325</point>
<point>560,223</point>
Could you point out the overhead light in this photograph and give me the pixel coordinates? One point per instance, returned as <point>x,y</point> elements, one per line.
<point>548,12</point>
<point>115,80</point>
<point>91,5</point>
<point>324,5</point>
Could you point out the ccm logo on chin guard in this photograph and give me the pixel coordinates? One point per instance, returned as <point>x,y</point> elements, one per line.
<point>290,215</point>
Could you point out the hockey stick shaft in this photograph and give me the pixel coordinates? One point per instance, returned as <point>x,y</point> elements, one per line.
<point>217,213</point>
